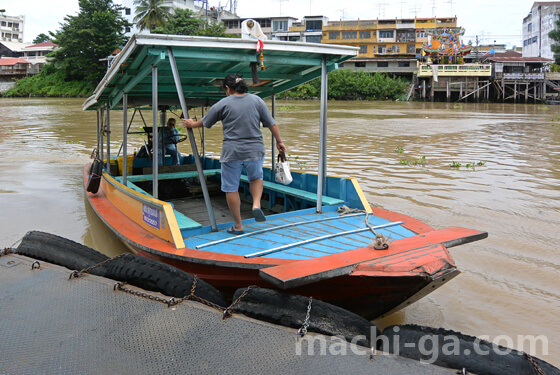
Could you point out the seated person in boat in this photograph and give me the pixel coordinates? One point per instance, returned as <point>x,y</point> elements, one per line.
<point>241,114</point>
<point>170,138</point>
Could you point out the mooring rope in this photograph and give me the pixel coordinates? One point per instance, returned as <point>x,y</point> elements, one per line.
<point>381,242</point>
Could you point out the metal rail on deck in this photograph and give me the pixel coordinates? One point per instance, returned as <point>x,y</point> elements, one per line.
<point>316,239</point>
<point>272,229</point>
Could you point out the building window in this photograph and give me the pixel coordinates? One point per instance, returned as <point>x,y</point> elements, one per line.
<point>313,25</point>
<point>293,39</point>
<point>396,48</point>
<point>3,23</point>
<point>279,25</point>
<point>373,48</point>
<point>360,64</point>
<point>363,49</point>
<point>382,64</point>
<point>365,34</point>
<point>386,34</point>
<point>529,27</point>
<point>535,39</point>
<point>127,29</point>
<point>127,11</point>
<point>334,35</point>
<point>349,35</point>
<point>404,64</point>
<point>313,39</point>
<point>410,48</point>
<point>382,48</point>
<point>420,34</point>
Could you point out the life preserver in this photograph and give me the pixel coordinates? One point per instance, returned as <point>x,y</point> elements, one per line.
<point>94,179</point>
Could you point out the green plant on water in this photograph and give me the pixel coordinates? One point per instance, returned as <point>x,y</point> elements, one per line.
<point>542,107</point>
<point>399,150</point>
<point>481,163</point>
<point>414,161</point>
<point>457,106</point>
<point>289,108</point>
<point>455,164</point>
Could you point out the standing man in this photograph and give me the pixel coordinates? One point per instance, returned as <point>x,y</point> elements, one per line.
<point>241,114</point>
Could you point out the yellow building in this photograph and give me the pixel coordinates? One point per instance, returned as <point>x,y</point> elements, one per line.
<point>389,46</point>
<point>382,38</point>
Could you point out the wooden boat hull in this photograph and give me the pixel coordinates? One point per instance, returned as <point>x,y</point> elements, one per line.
<point>368,282</point>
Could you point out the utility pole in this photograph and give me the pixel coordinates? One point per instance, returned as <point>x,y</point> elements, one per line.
<point>476,50</point>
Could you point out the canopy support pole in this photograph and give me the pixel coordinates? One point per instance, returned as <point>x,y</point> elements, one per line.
<point>190,132</point>
<point>322,137</point>
<point>100,145</point>
<point>273,150</point>
<point>125,140</point>
<point>108,139</point>
<point>155,143</point>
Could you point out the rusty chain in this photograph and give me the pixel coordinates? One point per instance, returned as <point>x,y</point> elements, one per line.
<point>536,366</point>
<point>86,270</point>
<point>229,310</point>
<point>6,251</point>
<point>173,301</point>
<point>303,330</point>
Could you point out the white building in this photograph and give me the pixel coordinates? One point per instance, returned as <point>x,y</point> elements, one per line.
<point>11,28</point>
<point>204,10</point>
<point>536,26</point>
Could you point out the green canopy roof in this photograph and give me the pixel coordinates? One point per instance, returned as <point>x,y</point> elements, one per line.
<point>203,62</point>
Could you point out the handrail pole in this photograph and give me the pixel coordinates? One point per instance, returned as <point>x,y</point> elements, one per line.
<point>155,145</point>
<point>321,175</point>
<point>190,132</point>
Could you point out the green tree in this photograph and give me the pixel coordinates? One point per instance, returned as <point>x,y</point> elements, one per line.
<point>41,38</point>
<point>555,47</point>
<point>185,22</point>
<point>151,14</point>
<point>85,39</point>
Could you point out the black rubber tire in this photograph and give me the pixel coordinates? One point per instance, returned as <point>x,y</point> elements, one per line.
<point>290,310</point>
<point>59,250</point>
<point>94,180</point>
<point>461,351</point>
<point>159,277</point>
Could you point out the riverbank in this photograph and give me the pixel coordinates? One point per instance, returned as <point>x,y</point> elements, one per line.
<point>343,85</point>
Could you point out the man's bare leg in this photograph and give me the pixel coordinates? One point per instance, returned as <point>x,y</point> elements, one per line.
<point>234,204</point>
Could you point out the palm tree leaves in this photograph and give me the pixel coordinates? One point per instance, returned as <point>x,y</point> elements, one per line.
<point>151,14</point>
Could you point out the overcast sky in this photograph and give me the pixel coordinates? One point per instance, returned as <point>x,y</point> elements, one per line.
<point>491,20</point>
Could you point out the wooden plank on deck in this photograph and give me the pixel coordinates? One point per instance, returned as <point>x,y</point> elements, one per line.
<point>312,270</point>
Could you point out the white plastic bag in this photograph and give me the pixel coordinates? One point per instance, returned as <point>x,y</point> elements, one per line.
<point>282,170</point>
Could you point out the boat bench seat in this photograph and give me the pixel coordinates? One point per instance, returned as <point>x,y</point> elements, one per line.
<point>171,176</point>
<point>289,191</point>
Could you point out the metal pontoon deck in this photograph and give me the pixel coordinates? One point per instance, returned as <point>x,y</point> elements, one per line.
<point>52,325</point>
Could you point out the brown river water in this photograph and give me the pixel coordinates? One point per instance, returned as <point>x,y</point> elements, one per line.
<point>508,184</point>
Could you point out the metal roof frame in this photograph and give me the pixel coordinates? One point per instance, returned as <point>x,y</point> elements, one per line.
<point>203,62</point>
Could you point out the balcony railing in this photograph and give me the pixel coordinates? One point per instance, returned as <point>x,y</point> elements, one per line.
<point>484,70</point>
<point>524,76</point>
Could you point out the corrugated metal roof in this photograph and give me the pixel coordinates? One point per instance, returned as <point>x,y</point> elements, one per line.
<point>203,62</point>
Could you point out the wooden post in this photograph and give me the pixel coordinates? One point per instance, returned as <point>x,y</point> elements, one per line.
<point>423,89</point>
<point>526,92</point>
<point>477,87</point>
<point>515,92</point>
<point>432,90</point>
<point>461,90</point>
<point>447,91</point>
<point>535,93</point>
<point>544,91</point>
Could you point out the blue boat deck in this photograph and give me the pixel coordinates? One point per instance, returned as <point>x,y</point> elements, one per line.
<point>297,235</point>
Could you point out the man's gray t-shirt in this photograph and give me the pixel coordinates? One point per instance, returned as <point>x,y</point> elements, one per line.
<point>241,117</point>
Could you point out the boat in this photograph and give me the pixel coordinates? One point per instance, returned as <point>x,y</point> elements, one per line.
<point>321,238</point>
